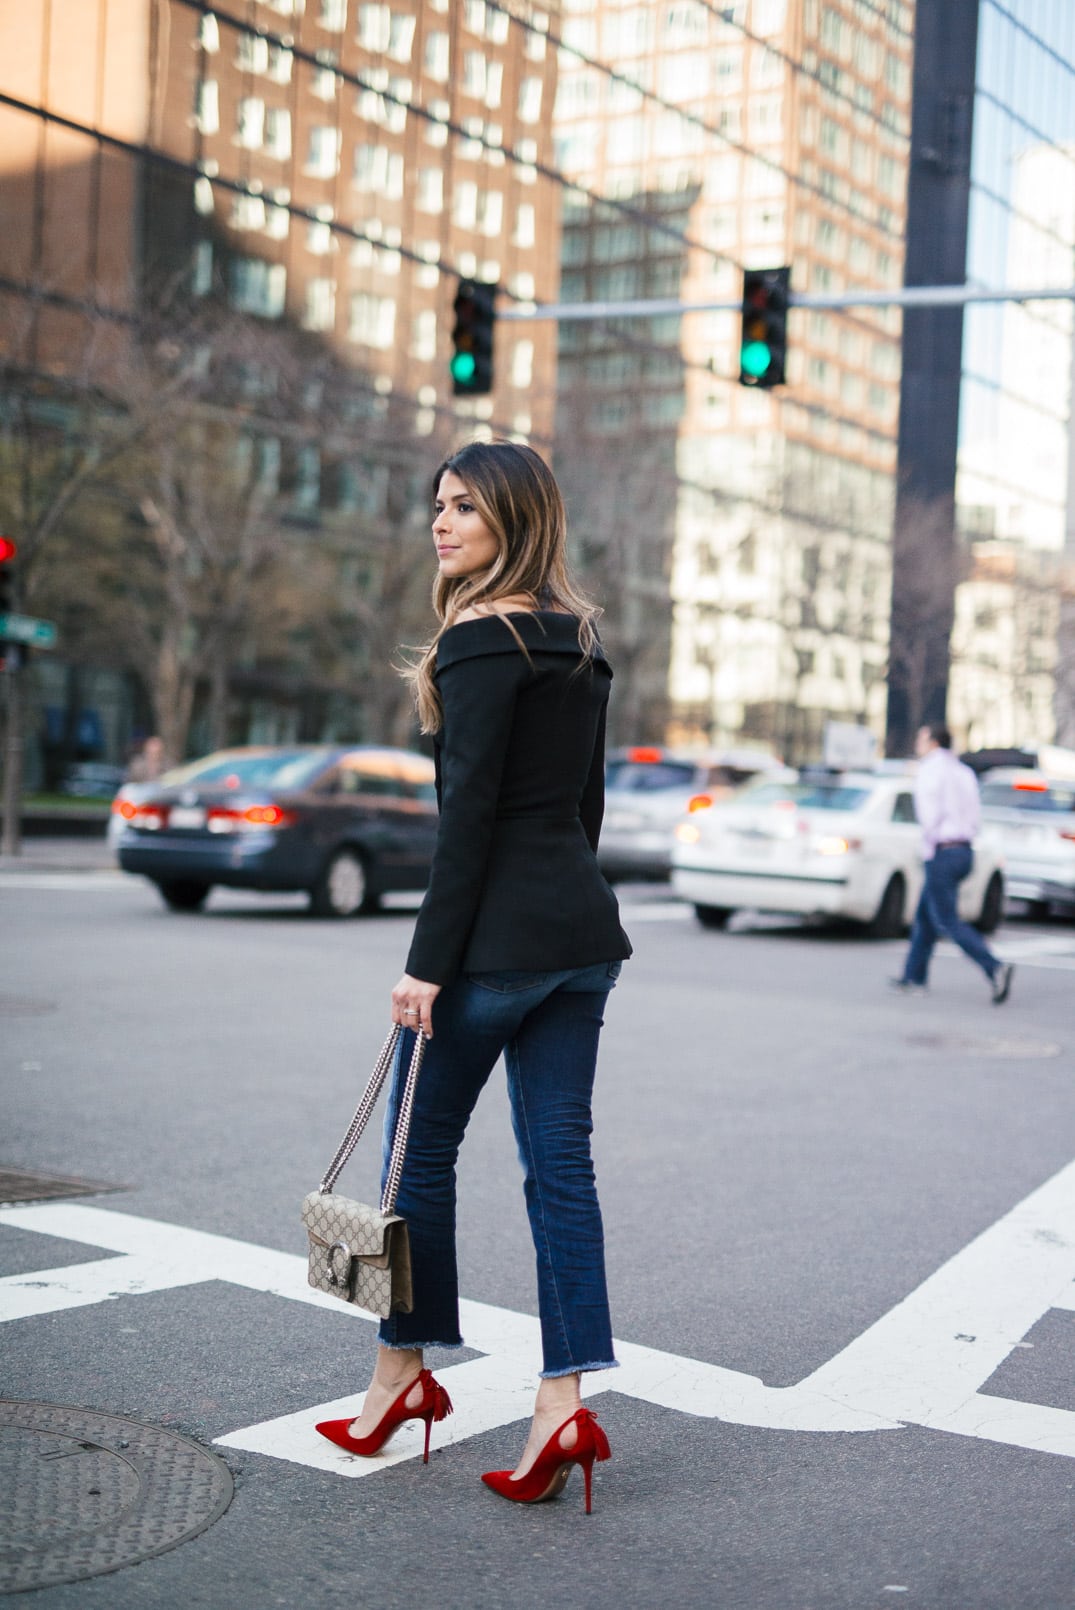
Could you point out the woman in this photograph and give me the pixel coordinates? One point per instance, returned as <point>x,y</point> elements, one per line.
<point>516,946</point>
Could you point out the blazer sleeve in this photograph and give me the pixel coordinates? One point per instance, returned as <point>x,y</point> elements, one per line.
<point>592,804</point>
<point>478,697</point>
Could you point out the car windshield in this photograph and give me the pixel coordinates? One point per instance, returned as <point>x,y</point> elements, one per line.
<point>810,796</point>
<point>1029,796</point>
<point>645,776</point>
<point>278,768</point>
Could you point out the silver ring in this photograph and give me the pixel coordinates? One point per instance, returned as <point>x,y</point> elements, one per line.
<point>410,1011</point>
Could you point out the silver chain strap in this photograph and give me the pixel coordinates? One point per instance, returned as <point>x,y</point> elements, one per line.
<point>365,1108</point>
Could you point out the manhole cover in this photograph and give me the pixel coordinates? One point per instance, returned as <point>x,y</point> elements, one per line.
<point>26,1006</point>
<point>83,1493</point>
<point>1015,1049</point>
<point>23,1185</point>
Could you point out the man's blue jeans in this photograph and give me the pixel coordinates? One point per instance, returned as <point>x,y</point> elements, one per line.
<point>938,913</point>
<point>548,1026</point>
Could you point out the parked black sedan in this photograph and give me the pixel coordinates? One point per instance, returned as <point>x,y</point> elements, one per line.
<point>345,824</point>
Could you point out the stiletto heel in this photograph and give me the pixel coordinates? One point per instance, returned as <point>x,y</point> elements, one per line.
<point>548,1475</point>
<point>435,1405</point>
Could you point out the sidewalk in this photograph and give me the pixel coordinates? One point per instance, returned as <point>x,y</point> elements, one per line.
<point>61,855</point>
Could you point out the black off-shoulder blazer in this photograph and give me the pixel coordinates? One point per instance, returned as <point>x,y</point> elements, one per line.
<point>520,783</point>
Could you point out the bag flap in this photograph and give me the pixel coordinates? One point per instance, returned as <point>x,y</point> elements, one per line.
<point>364,1230</point>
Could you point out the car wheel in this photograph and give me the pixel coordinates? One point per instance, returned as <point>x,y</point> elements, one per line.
<point>713,916</point>
<point>887,920</point>
<point>183,894</point>
<point>992,906</point>
<point>343,887</point>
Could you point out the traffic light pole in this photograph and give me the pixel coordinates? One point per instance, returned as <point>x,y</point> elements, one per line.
<point>908,296</point>
<point>11,837</point>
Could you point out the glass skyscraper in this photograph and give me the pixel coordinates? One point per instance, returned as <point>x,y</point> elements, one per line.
<point>1013,506</point>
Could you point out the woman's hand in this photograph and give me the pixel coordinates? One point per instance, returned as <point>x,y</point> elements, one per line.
<point>412,1004</point>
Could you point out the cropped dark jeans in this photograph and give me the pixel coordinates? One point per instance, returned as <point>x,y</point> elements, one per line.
<point>548,1026</point>
<point>938,915</point>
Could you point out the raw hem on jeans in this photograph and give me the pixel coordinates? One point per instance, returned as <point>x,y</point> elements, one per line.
<point>578,1369</point>
<point>416,1347</point>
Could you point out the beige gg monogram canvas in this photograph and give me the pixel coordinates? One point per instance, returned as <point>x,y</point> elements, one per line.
<point>372,1267</point>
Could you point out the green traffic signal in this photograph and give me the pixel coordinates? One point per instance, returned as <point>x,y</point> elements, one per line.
<point>462,366</point>
<point>755,358</point>
<point>763,340</point>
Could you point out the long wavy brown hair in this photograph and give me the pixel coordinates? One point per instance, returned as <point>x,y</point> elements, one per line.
<point>516,495</point>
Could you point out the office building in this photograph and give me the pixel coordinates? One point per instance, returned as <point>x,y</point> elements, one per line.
<point>723,137</point>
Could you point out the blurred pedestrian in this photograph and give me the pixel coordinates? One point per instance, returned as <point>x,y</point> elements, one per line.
<point>516,947</point>
<point>148,764</point>
<point>947,806</point>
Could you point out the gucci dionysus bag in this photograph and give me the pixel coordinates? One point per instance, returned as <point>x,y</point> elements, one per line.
<point>358,1253</point>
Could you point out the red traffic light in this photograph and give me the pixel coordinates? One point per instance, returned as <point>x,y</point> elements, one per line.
<point>8,550</point>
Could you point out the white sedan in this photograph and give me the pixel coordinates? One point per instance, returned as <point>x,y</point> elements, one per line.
<point>842,845</point>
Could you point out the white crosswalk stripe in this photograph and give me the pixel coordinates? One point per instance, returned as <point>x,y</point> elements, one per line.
<point>924,1363</point>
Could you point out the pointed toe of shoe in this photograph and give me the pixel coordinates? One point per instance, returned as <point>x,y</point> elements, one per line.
<point>498,1480</point>
<point>337,1431</point>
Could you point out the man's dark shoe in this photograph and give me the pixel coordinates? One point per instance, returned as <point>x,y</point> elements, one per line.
<point>1002,983</point>
<point>907,986</point>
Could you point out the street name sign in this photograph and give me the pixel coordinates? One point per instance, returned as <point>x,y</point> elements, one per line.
<point>26,629</point>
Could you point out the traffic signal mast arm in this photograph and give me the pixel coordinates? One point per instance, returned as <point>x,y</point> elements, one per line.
<point>909,296</point>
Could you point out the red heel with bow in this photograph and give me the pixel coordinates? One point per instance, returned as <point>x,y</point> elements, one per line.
<point>548,1475</point>
<point>435,1405</point>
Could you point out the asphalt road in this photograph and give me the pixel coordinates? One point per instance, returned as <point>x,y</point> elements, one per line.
<point>787,1153</point>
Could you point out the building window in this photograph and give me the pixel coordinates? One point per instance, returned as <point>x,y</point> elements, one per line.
<point>320,310</point>
<point>278,218</point>
<point>323,152</point>
<point>319,233</point>
<point>474,73</point>
<point>465,210</point>
<point>378,169</point>
<point>401,37</point>
<point>374,27</point>
<point>494,82</point>
<point>207,106</point>
<point>530,100</point>
<point>424,340</point>
<point>522,363</point>
<point>201,268</point>
<point>437,56</point>
<point>280,60</point>
<point>251,130</point>
<point>371,165</point>
<point>333,15</point>
<point>430,197</point>
<point>373,320</point>
<point>525,224</point>
<point>252,53</point>
<point>278,132</point>
<point>209,34</point>
<point>247,212</point>
<point>255,286</point>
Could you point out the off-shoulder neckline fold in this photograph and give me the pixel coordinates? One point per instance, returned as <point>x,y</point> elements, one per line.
<point>551,631</point>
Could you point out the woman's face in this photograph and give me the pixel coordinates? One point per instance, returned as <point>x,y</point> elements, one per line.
<point>465,544</point>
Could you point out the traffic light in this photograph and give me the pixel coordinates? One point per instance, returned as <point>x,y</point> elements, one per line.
<point>472,339</point>
<point>763,348</point>
<point>8,551</point>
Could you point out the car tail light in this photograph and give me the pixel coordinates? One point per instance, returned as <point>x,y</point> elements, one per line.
<point>223,819</point>
<point>700,802</point>
<point>1030,785</point>
<point>645,755</point>
<point>832,844</point>
<point>125,808</point>
<point>1068,833</point>
<point>150,818</point>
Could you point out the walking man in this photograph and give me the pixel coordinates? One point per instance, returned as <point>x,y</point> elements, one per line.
<point>946,805</point>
